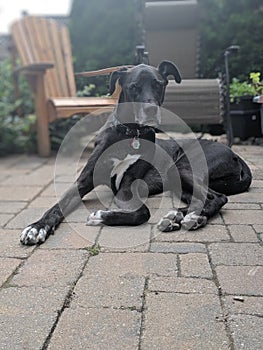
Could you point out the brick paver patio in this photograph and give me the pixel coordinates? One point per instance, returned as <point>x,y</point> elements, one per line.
<point>138,289</point>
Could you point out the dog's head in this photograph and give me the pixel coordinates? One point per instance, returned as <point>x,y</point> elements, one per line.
<point>144,87</point>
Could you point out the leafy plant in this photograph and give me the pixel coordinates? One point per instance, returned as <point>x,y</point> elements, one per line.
<point>104,33</point>
<point>94,250</point>
<point>231,22</point>
<point>88,90</point>
<point>17,133</point>
<point>252,87</point>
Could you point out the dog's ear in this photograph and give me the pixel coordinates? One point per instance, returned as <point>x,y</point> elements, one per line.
<point>116,75</point>
<point>167,68</point>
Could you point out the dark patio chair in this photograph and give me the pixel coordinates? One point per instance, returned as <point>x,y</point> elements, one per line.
<point>172,33</point>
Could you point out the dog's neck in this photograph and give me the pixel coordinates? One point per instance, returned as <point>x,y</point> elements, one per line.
<point>129,129</point>
<point>133,131</point>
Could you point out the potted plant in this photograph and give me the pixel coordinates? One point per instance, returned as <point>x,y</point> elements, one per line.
<point>245,114</point>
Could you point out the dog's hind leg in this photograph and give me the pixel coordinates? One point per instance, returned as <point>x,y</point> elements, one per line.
<point>202,203</point>
<point>196,219</point>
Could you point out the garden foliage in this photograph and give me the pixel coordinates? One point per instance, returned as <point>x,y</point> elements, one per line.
<point>232,22</point>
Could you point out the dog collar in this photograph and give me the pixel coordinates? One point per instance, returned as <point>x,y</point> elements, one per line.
<point>132,132</point>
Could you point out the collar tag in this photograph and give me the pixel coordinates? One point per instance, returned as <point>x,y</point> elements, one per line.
<point>135,143</point>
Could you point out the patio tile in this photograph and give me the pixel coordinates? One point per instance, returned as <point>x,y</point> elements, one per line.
<point>241,280</point>
<point>98,329</point>
<point>8,266</point>
<point>248,217</point>
<point>21,193</point>
<point>187,320</point>
<point>10,245</point>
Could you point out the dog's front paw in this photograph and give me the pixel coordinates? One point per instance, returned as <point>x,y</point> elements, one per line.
<point>35,234</point>
<point>96,218</point>
<point>193,221</point>
<point>171,221</point>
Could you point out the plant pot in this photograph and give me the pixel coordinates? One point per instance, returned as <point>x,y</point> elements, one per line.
<point>245,118</point>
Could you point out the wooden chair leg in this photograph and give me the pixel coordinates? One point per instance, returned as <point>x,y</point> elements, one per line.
<point>43,139</point>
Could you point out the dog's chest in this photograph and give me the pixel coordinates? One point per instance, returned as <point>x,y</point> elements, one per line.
<point>120,166</point>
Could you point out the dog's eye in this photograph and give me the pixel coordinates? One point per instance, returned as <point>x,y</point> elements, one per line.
<point>157,85</point>
<point>134,88</point>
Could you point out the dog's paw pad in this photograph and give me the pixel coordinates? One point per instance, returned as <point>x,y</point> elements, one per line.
<point>192,221</point>
<point>171,221</point>
<point>95,218</point>
<point>33,235</point>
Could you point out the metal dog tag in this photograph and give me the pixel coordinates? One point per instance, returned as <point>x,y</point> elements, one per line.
<point>135,143</point>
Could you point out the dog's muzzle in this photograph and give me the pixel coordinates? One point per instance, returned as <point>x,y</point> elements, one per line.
<point>147,114</point>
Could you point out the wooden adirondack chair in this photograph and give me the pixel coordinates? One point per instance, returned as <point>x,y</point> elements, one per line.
<point>44,49</point>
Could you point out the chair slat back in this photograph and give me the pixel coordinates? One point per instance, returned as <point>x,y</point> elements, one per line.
<point>40,40</point>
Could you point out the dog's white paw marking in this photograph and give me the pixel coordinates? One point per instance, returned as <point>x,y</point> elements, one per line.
<point>171,221</point>
<point>95,218</point>
<point>32,235</point>
<point>192,221</point>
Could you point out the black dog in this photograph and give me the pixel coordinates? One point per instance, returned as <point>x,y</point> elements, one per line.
<point>128,150</point>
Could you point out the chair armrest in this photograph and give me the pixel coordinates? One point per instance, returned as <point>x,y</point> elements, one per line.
<point>104,71</point>
<point>34,68</point>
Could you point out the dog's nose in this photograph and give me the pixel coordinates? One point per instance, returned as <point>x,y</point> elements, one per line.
<point>150,110</point>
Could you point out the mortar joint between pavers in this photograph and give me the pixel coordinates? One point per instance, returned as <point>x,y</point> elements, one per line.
<point>221,301</point>
<point>65,305</point>
<point>143,312</point>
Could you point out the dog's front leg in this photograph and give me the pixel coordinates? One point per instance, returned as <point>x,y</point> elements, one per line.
<point>38,231</point>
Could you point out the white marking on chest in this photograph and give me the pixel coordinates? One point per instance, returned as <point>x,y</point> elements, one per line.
<point>120,166</point>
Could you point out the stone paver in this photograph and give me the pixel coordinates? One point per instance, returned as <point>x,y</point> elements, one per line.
<point>195,265</point>
<point>181,285</point>
<point>124,291</point>
<point>22,193</point>
<point>10,246</point>
<point>97,329</point>
<point>245,305</point>
<point>180,248</point>
<point>243,280</point>
<point>242,233</point>
<point>72,236</point>
<point>243,217</point>
<point>246,332</point>
<point>4,218</point>
<point>27,316</point>
<point>210,233</point>
<point>60,267</point>
<point>8,266</point>
<point>178,321</point>
<point>121,238</point>
<point>128,287</point>
<point>24,218</point>
<point>11,207</point>
<point>236,254</point>
<point>134,264</point>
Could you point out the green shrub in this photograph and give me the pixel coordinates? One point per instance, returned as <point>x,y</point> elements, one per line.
<point>251,87</point>
<point>232,22</point>
<point>104,33</point>
<point>17,132</point>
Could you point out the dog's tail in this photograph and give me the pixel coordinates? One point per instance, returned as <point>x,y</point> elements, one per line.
<point>235,183</point>
<point>245,179</point>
